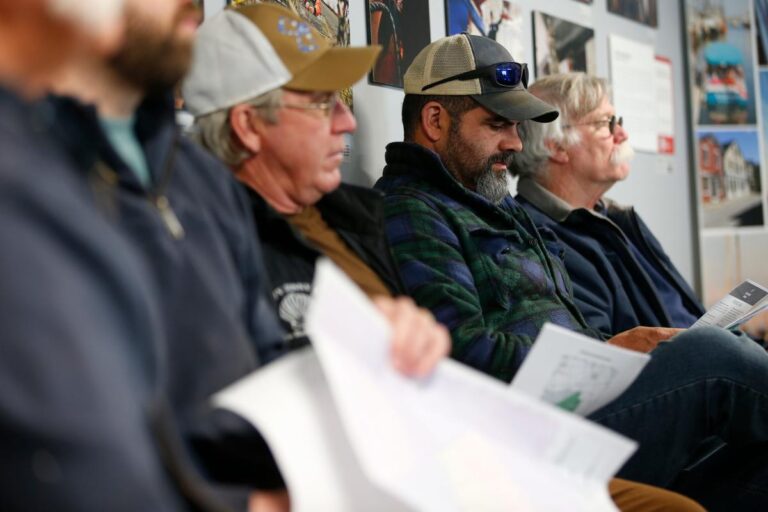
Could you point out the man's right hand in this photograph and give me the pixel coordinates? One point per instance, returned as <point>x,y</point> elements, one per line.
<point>643,339</point>
<point>419,342</point>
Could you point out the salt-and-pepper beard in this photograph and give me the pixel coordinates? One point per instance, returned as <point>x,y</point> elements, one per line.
<point>461,160</point>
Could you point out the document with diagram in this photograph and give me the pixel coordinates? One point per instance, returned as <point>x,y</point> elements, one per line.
<point>742,303</point>
<point>577,373</point>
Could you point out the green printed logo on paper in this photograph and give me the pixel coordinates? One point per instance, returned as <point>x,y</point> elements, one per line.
<point>570,403</point>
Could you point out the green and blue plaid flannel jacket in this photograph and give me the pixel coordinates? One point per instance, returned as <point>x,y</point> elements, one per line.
<point>483,270</point>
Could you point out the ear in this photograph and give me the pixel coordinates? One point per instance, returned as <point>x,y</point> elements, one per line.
<point>244,123</point>
<point>434,121</point>
<point>557,152</point>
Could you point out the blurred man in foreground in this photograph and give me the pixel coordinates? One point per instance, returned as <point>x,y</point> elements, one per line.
<point>189,219</point>
<point>82,396</point>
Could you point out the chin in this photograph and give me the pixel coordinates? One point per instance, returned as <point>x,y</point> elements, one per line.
<point>623,172</point>
<point>331,182</point>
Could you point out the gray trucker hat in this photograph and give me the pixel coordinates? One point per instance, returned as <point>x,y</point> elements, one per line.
<point>467,65</point>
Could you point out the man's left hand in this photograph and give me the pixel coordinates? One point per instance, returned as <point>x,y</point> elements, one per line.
<point>643,339</point>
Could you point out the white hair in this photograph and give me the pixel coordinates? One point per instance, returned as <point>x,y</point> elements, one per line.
<point>213,131</point>
<point>575,95</point>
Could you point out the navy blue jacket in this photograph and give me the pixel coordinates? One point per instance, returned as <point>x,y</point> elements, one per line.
<point>356,214</point>
<point>194,230</point>
<point>80,357</point>
<point>612,290</point>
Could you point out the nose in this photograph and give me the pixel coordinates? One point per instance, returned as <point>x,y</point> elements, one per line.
<point>511,140</point>
<point>619,134</point>
<point>342,119</point>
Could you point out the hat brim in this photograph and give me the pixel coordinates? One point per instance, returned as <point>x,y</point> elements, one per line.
<point>338,68</point>
<point>518,105</point>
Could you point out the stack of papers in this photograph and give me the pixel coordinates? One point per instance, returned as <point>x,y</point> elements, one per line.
<point>350,433</point>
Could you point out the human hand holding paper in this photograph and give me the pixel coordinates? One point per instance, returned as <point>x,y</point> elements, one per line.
<point>643,339</point>
<point>418,341</point>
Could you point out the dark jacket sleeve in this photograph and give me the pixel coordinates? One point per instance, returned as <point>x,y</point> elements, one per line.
<point>74,434</point>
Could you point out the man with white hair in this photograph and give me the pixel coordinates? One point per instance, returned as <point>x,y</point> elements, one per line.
<point>621,275</point>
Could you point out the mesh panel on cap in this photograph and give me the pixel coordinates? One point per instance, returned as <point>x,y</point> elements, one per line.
<point>451,56</point>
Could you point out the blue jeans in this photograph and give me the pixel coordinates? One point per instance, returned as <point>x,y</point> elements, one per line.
<point>704,383</point>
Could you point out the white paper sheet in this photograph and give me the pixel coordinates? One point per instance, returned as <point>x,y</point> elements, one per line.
<point>290,404</point>
<point>742,303</point>
<point>633,77</point>
<point>458,440</point>
<point>577,373</point>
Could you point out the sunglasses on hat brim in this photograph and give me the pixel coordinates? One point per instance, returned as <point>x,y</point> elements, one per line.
<point>504,74</point>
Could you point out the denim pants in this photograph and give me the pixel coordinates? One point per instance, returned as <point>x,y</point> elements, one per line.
<point>704,383</point>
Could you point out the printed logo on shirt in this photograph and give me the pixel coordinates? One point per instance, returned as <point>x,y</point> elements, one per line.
<point>292,300</point>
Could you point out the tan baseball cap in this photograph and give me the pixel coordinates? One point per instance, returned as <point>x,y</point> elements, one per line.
<point>315,64</point>
<point>468,65</point>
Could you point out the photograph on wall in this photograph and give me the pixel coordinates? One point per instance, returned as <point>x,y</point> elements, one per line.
<point>330,18</point>
<point>728,168</point>
<point>500,20</point>
<point>764,105</point>
<point>561,46</point>
<point>720,53</point>
<point>401,28</point>
<point>761,31</point>
<point>641,11</point>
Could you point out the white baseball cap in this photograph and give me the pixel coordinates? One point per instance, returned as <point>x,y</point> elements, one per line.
<point>232,62</point>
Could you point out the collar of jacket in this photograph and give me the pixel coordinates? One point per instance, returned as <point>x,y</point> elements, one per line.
<point>559,210</point>
<point>562,212</point>
<point>77,126</point>
<point>357,216</point>
<point>349,207</point>
<point>411,160</point>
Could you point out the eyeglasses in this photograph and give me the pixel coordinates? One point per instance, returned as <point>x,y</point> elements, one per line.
<point>504,74</point>
<point>611,123</point>
<point>326,108</point>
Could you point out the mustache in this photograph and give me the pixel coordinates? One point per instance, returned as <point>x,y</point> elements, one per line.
<point>505,158</point>
<point>623,153</point>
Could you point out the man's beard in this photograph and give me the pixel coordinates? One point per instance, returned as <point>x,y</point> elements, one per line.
<point>151,60</point>
<point>491,184</point>
<point>461,160</point>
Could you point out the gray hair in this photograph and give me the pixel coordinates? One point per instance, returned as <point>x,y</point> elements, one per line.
<point>213,131</point>
<point>575,95</point>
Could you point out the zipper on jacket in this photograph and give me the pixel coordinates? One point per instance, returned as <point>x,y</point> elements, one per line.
<point>158,198</point>
<point>110,181</point>
<point>168,216</point>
